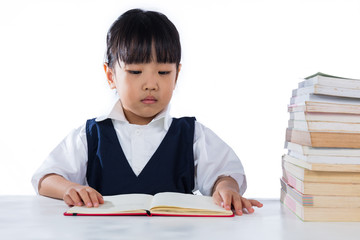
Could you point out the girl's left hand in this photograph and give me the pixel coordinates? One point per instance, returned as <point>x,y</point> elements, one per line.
<point>226,194</point>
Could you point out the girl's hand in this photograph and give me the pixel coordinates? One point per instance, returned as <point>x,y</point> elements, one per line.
<point>79,195</point>
<point>226,194</point>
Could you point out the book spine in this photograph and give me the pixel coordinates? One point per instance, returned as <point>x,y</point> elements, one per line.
<point>293,181</point>
<point>292,205</point>
<point>305,200</point>
<point>104,214</point>
<point>190,215</point>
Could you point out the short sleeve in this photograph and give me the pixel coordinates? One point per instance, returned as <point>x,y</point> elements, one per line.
<point>214,158</point>
<point>68,159</point>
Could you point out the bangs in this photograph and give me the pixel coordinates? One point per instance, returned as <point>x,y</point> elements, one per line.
<point>134,36</point>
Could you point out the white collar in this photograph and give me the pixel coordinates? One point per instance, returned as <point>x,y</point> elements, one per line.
<point>117,113</point>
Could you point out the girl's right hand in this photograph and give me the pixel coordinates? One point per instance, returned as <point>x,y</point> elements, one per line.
<point>79,195</point>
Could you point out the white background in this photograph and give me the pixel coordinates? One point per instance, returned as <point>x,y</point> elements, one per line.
<point>241,59</point>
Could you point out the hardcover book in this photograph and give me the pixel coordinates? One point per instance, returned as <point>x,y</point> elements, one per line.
<point>161,204</point>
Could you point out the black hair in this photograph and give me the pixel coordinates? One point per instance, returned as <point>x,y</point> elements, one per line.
<point>132,36</point>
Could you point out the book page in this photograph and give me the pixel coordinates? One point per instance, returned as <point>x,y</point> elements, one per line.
<point>186,203</point>
<point>127,203</point>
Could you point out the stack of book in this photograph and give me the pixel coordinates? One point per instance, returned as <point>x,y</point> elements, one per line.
<point>321,171</point>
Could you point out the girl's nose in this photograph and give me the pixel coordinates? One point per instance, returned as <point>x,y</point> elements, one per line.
<point>150,89</point>
<point>151,85</point>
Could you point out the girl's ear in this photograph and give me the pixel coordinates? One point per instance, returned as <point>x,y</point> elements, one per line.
<point>177,73</point>
<point>109,76</point>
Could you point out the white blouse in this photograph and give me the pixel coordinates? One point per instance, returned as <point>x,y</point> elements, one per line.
<point>213,157</point>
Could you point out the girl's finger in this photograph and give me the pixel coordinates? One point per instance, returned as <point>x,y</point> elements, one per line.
<point>255,203</point>
<point>226,199</point>
<point>217,198</point>
<point>68,200</point>
<point>75,197</point>
<point>84,194</point>
<point>100,198</point>
<point>95,197</point>
<point>237,205</point>
<point>247,204</point>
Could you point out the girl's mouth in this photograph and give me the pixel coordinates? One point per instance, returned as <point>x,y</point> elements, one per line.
<point>149,100</point>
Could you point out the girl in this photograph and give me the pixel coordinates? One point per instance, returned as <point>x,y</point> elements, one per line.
<point>138,147</point>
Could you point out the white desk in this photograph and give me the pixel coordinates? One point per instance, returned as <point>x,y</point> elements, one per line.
<point>36,217</point>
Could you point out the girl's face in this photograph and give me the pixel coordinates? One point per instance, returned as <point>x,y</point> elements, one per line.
<point>145,89</point>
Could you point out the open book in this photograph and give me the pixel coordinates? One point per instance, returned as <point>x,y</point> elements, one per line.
<point>161,204</point>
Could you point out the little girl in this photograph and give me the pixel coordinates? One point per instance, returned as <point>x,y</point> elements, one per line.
<point>137,147</point>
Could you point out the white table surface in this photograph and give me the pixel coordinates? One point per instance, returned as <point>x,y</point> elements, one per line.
<point>36,217</point>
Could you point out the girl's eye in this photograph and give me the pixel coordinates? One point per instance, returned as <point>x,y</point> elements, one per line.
<point>164,72</point>
<point>134,72</point>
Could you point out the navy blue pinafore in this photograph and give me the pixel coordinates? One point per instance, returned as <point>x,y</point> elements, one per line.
<point>170,169</point>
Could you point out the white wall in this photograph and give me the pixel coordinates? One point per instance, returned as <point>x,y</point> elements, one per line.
<point>241,59</point>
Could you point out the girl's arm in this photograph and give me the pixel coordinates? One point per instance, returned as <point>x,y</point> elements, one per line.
<point>56,186</point>
<point>214,158</point>
<point>226,194</point>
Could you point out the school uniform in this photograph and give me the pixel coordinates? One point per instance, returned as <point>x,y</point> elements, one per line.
<point>114,157</point>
